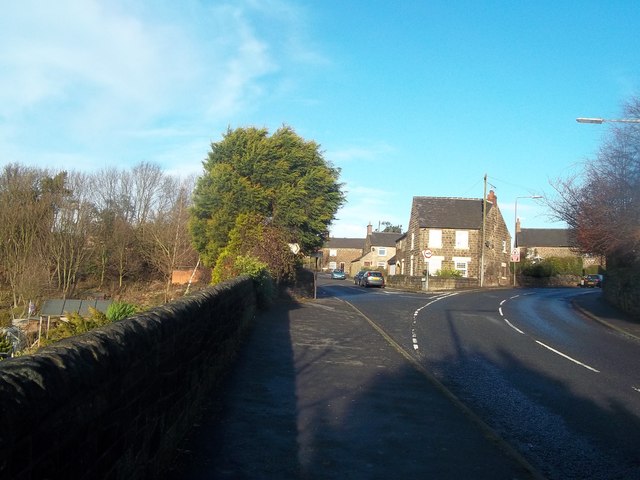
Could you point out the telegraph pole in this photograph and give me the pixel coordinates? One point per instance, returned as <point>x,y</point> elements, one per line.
<point>484,220</point>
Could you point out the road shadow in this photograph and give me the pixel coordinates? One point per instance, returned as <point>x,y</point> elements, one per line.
<point>248,429</point>
<point>319,394</point>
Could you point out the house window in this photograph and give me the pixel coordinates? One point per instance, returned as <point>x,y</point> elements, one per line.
<point>411,266</point>
<point>461,264</point>
<point>332,265</point>
<point>333,252</point>
<point>382,251</point>
<point>382,264</point>
<point>435,264</point>
<point>504,246</point>
<point>462,239</point>
<point>413,237</point>
<point>435,239</point>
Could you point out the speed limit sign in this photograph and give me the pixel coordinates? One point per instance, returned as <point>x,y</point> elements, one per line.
<point>427,253</point>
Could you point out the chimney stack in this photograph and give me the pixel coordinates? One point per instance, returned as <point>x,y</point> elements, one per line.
<point>491,197</point>
<point>369,229</point>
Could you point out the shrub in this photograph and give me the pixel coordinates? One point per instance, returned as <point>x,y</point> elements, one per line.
<point>259,272</point>
<point>119,310</point>
<point>448,273</point>
<point>553,266</point>
<point>6,347</point>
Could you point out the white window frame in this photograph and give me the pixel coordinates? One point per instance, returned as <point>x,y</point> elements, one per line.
<point>462,239</point>
<point>461,264</point>
<point>413,237</point>
<point>382,251</point>
<point>435,238</point>
<point>382,264</point>
<point>333,265</point>
<point>333,252</point>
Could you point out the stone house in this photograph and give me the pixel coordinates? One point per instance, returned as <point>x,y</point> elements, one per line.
<point>447,234</point>
<point>539,243</point>
<point>338,253</point>
<point>379,249</point>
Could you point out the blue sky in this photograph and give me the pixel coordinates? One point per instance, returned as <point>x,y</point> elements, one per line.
<point>406,97</point>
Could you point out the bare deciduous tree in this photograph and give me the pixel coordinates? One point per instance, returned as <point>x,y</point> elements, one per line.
<point>167,236</point>
<point>26,213</point>
<point>71,234</point>
<point>602,205</point>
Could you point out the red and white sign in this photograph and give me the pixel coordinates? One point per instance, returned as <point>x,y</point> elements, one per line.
<point>427,253</point>
<point>515,255</point>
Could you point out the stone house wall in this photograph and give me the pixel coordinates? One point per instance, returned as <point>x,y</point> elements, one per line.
<point>496,254</point>
<point>343,256</point>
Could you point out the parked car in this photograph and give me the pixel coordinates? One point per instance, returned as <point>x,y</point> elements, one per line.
<point>591,281</point>
<point>357,277</point>
<point>372,279</point>
<point>338,274</point>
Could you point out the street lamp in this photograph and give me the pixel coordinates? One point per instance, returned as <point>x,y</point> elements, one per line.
<point>603,120</point>
<point>515,231</point>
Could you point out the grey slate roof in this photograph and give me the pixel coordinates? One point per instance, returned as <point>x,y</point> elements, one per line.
<point>543,237</point>
<point>447,212</point>
<point>384,239</point>
<point>334,242</point>
<point>58,308</point>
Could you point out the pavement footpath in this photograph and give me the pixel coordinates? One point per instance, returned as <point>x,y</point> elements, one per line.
<point>318,393</point>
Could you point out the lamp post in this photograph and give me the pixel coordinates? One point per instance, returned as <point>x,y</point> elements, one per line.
<point>515,231</point>
<point>605,120</point>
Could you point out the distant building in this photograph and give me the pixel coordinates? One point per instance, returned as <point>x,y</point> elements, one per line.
<point>447,233</point>
<point>338,253</point>
<point>536,244</point>
<point>539,243</point>
<point>379,248</point>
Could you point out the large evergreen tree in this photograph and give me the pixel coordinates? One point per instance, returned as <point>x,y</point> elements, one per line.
<point>281,177</point>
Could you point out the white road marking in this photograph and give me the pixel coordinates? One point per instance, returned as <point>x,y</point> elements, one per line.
<point>567,357</point>
<point>514,327</point>
<point>636,389</point>
<point>414,334</point>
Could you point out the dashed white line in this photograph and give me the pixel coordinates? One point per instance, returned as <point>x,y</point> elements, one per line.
<point>414,334</point>
<point>514,327</point>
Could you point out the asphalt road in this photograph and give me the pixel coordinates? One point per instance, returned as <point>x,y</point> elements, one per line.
<point>562,389</point>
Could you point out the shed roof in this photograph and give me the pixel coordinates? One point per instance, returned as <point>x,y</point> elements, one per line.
<point>58,308</point>
<point>448,212</point>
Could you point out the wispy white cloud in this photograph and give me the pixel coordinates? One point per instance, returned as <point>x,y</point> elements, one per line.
<point>115,81</point>
<point>378,151</point>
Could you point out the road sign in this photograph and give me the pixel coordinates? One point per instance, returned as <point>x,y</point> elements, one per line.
<point>427,253</point>
<point>515,255</point>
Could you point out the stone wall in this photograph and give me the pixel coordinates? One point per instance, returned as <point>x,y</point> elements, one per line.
<point>436,284</point>
<point>115,402</point>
